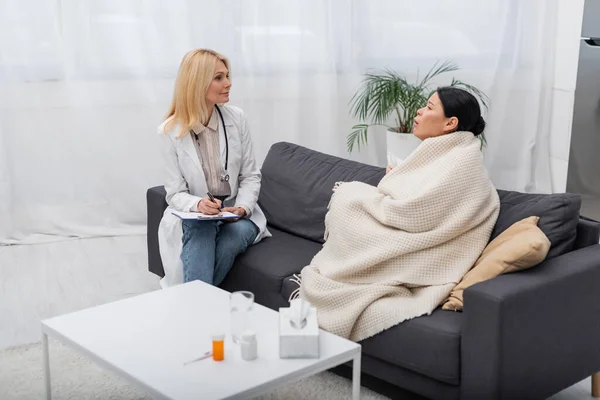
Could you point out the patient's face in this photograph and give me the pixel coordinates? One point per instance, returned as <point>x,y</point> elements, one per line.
<point>430,120</point>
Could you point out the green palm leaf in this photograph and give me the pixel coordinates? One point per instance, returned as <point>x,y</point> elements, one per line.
<point>485,100</point>
<point>357,137</point>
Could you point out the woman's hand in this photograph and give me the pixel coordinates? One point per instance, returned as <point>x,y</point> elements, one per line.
<point>235,210</point>
<point>388,169</point>
<point>206,206</point>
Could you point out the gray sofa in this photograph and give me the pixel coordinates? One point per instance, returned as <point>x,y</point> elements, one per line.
<point>525,335</point>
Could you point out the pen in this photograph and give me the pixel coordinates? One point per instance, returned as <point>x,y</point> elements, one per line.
<point>212,198</point>
<point>205,355</point>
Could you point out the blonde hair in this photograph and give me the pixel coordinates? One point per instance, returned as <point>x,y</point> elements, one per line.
<point>189,106</point>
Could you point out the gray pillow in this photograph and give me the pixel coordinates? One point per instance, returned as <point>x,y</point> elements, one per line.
<point>559,215</point>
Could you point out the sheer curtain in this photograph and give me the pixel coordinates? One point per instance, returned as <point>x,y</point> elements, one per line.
<point>84,83</point>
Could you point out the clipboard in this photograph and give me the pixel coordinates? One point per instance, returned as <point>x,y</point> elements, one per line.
<point>188,215</point>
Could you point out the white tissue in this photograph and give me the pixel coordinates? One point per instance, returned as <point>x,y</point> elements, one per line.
<point>393,160</point>
<point>298,330</point>
<point>299,309</point>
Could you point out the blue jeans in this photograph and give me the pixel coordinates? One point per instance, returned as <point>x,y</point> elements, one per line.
<point>210,247</point>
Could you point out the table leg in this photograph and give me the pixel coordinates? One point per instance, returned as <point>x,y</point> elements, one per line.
<point>356,377</point>
<point>46,366</point>
<point>596,385</point>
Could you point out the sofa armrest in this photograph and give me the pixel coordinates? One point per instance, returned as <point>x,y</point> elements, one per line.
<point>588,233</point>
<point>156,205</point>
<point>532,333</point>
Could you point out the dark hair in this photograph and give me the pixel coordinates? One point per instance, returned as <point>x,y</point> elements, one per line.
<point>463,105</point>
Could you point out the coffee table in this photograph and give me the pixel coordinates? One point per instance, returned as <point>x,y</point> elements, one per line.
<point>146,339</point>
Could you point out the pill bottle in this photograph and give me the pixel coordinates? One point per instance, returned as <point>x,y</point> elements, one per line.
<point>218,346</point>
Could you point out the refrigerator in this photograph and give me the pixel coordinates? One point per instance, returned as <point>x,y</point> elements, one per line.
<point>583,175</point>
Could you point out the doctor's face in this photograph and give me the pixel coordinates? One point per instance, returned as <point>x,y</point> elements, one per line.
<point>218,90</point>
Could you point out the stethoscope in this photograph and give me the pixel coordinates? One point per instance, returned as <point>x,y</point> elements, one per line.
<point>225,176</point>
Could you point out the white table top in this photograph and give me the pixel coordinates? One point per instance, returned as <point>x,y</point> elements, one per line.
<point>147,339</point>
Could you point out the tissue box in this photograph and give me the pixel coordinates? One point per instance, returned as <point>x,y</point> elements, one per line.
<point>298,343</point>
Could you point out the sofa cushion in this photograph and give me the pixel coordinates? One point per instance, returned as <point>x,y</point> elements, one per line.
<point>297,184</point>
<point>559,216</point>
<point>263,266</point>
<point>520,247</point>
<point>428,345</point>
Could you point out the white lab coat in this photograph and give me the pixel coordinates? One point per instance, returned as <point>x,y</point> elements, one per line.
<point>185,184</point>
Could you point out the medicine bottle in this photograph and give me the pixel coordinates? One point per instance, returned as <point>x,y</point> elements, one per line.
<point>218,346</point>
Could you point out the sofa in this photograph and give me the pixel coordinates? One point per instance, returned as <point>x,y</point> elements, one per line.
<point>524,335</point>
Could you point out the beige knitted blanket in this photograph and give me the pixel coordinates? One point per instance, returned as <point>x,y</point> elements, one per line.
<point>395,251</point>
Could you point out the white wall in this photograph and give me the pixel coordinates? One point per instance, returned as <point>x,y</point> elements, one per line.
<point>570,16</point>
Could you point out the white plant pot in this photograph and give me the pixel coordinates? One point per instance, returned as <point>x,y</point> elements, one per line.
<point>401,144</point>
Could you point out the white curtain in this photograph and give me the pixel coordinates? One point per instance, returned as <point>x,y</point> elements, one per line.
<point>84,83</point>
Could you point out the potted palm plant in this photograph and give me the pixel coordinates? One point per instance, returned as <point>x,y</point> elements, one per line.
<point>384,93</point>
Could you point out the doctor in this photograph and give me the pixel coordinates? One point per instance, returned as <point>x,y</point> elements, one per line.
<point>206,148</point>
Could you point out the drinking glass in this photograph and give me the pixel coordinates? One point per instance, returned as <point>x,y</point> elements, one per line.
<point>241,304</point>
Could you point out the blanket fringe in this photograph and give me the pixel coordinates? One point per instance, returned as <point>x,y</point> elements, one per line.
<point>297,279</point>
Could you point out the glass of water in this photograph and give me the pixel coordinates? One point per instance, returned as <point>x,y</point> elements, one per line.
<point>241,304</point>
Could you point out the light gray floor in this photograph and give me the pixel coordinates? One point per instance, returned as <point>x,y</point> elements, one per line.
<point>41,281</point>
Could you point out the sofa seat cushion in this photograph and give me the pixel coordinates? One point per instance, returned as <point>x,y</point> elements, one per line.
<point>262,268</point>
<point>428,345</point>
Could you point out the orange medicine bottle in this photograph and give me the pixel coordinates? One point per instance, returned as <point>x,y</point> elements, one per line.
<point>218,346</point>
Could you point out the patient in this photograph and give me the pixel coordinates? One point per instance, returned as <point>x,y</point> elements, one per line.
<point>448,110</point>
<point>395,251</point>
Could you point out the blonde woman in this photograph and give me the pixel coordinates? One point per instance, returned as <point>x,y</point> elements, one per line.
<point>206,148</point>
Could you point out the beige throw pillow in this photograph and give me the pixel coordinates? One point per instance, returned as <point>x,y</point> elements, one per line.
<point>521,246</point>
